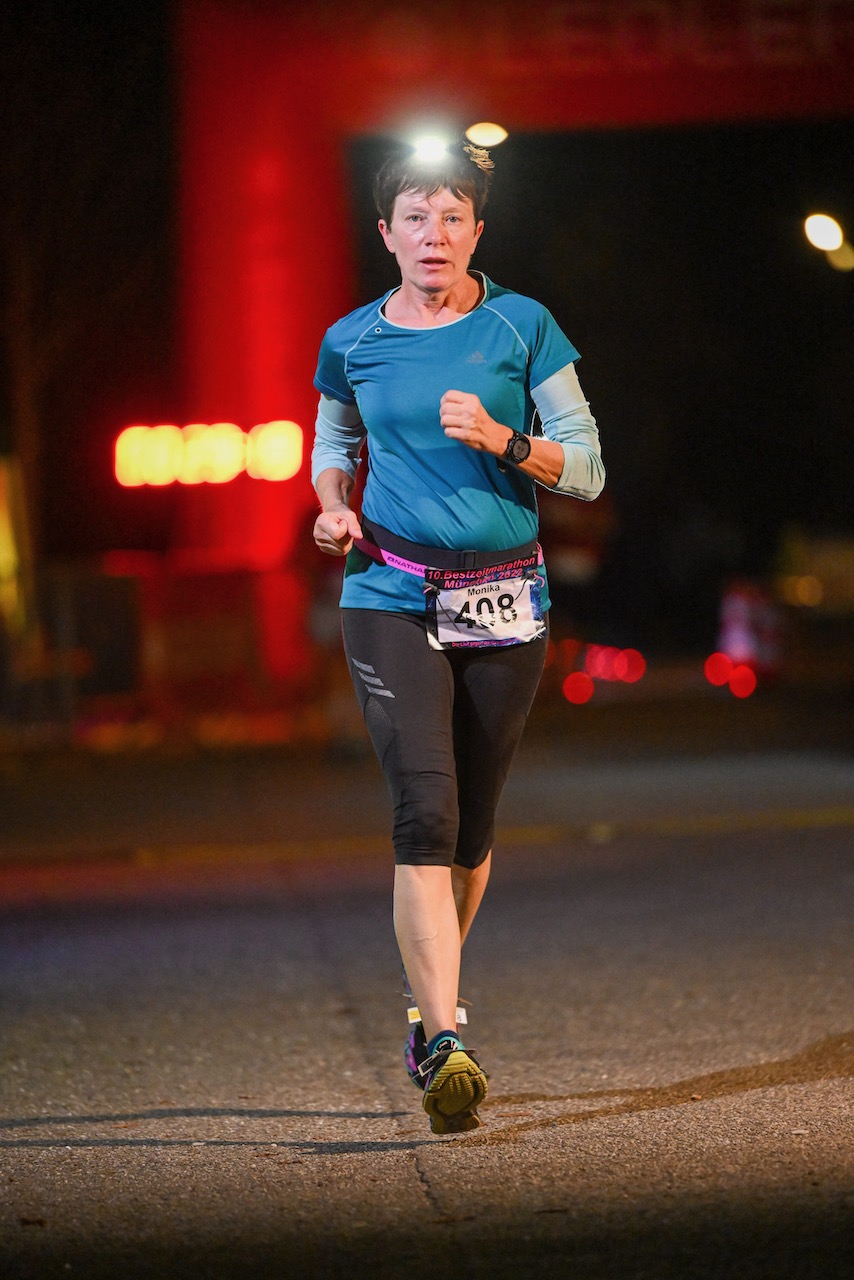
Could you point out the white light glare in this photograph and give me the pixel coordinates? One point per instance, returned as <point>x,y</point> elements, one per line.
<point>486,134</point>
<point>430,149</point>
<point>823,232</point>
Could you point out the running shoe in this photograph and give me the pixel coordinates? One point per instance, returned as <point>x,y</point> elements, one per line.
<point>455,1085</point>
<point>415,1045</point>
<point>415,1054</point>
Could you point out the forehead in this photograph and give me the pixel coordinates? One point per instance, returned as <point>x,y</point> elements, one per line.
<point>443,199</point>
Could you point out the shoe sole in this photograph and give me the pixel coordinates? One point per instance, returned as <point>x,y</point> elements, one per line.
<point>453,1095</point>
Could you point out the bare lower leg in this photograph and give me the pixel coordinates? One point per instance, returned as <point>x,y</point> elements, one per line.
<point>469,887</point>
<point>433,912</point>
<point>428,934</point>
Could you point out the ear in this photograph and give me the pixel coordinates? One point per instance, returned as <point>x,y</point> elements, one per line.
<point>477,232</point>
<point>385,232</point>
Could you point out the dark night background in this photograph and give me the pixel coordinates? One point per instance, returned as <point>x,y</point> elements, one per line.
<point>716,342</point>
<point>88,232</point>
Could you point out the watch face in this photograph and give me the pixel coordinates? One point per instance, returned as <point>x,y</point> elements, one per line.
<point>518,448</point>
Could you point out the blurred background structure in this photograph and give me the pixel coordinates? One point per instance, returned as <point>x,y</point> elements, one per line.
<point>186,209</point>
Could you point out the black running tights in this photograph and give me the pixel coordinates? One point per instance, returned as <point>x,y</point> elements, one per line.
<point>445,725</point>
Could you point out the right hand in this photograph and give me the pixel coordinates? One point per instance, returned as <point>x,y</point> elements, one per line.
<point>334,531</point>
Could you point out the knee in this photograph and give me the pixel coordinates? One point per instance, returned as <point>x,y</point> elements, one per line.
<point>470,857</point>
<point>426,821</point>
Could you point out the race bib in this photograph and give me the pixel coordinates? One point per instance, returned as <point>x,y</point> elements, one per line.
<point>487,607</point>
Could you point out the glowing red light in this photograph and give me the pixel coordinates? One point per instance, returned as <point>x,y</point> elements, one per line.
<point>619,666</point>
<point>629,666</point>
<point>599,661</point>
<point>578,687</point>
<point>608,660</point>
<point>742,681</point>
<point>591,659</point>
<point>718,668</point>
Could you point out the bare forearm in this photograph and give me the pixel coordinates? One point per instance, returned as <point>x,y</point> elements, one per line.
<point>334,489</point>
<point>337,525</point>
<point>464,418</point>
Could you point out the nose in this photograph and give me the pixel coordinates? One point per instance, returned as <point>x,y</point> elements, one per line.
<point>435,230</point>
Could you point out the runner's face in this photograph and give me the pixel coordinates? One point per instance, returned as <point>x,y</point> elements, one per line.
<point>432,237</point>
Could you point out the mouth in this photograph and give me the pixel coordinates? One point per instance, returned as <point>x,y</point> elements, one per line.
<point>434,262</point>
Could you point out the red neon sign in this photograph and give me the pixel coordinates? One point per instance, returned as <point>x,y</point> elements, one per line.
<point>207,453</point>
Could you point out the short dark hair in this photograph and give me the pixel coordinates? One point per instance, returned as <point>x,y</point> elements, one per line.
<point>464,169</point>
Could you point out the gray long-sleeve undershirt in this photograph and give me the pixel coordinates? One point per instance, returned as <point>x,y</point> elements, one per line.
<point>563,410</point>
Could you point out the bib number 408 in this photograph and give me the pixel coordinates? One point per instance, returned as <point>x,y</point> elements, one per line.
<point>506,611</point>
<point>484,614</point>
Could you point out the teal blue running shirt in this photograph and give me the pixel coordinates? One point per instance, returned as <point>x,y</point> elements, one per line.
<point>420,484</point>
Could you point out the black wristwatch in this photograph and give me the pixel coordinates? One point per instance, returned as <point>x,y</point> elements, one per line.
<point>518,448</point>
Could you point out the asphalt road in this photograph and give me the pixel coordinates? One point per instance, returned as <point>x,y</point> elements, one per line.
<point>201,1020</point>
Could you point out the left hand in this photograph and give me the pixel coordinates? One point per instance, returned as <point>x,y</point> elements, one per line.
<point>464,418</point>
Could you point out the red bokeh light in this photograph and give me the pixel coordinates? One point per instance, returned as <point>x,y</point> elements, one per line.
<point>629,666</point>
<point>578,687</point>
<point>742,681</point>
<point>599,661</point>
<point>718,668</point>
<point>606,662</point>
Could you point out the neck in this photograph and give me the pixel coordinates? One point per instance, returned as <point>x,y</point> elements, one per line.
<point>414,306</point>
